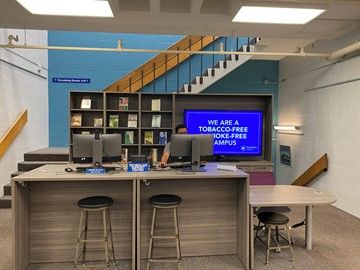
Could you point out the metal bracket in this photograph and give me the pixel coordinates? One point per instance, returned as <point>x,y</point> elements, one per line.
<point>146,182</point>
<point>23,184</point>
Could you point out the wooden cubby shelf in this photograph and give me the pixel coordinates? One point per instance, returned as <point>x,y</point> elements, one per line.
<point>152,108</point>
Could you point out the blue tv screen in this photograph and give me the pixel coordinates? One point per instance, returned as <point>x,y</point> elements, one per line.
<point>235,132</point>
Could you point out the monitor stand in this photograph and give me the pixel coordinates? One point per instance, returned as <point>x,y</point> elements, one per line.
<point>97,151</point>
<point>195,156</point>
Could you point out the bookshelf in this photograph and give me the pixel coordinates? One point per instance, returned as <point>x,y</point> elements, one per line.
<point>168,107</point>
<point>122,105</point>
<point>115,108</point>
<point>156,118</point>
<point>89,119</point>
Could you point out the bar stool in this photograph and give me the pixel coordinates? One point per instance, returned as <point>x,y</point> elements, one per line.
<point>95,204</point>
<point>273,220</point>
<point>164,201</point>
<point>276,209</point>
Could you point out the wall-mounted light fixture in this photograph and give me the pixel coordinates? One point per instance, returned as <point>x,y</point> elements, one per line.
<point>288,129</point>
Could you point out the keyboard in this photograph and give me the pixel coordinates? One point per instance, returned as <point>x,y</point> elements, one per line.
<point>176,165</point>
<point>91,169</point>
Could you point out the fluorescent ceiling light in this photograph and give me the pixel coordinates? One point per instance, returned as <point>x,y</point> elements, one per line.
<point>249,14</point>
<point>81,8</point>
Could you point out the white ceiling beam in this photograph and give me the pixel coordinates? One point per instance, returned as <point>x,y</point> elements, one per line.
<point>196,6</point>
<point>155,6</point>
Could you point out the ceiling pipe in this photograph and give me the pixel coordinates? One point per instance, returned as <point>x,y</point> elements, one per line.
<point>344,51</point>
<point>120,48</point>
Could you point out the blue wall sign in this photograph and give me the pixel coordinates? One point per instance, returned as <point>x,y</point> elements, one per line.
<point>70,80</point>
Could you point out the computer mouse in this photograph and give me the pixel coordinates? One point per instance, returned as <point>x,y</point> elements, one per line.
<point>68,170</point>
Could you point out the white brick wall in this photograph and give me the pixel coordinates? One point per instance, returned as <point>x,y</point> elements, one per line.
<point>20,90</point>
<point>330,119</point>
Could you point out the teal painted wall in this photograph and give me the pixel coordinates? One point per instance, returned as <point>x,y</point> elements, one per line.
<point>102,68</point>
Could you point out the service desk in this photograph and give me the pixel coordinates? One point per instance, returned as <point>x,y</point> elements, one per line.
<point>213,218</point>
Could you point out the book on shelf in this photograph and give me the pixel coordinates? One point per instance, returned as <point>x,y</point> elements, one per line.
<point>113,120</point>
<point>132,120</point>
<point>156,120</point>
<point>148,137</point>
<point>76,120</point>
<point>163,137</point>
<point>129,137</point>
<point>85,102</point>
<point>123,103</point>
<point>98,122</point>
<point>155,104</point>
<point>124,154</point>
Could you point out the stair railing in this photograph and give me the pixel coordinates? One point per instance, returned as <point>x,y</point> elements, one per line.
<point>160,65</point>
<point>12,132</point>
<point>320,166</point>
<point>149,73</point>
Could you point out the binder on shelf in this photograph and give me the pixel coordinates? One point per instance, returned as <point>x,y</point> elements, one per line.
<point>148,137</point>
<point>76,120</point>
<point>123,103</point>
<point>86,102</point>
<point>113,120</point>
<point>163,137</point>
<point>156,120</point>
<point>132,120</point>
<point>98,122</point>
<point>155,104</point>
<point>129,137</point>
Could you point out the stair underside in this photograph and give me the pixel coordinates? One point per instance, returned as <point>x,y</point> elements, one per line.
<point>5,202</point>
<point>48,154</point>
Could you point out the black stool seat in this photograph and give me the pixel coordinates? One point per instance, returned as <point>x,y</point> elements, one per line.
<point>95,202</point>
<point>165,200</point>
<point>272,218</point>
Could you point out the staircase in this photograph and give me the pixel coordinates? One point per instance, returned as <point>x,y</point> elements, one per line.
<point>221,69</point>
<point>160,64</point>
<point>34,160</point>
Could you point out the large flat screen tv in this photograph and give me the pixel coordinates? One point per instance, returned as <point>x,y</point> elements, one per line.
<point>236,133</point>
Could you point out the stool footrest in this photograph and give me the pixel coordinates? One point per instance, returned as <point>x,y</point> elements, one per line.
<point>279,247</point>
<point>92,240</point>
<point>165,260</point>
<point>164,237</point>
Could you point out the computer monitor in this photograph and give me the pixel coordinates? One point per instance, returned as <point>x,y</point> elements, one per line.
<point>194,146</point>
<point>96,148</point>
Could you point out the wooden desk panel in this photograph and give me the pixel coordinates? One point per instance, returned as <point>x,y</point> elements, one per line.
<point>213,218</point>
<point>55,219</point>
<point>207,216</point>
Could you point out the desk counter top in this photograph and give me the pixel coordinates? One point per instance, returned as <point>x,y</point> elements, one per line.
<point>57,173</point>
<point>278,195</point>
